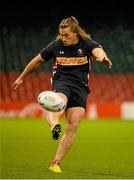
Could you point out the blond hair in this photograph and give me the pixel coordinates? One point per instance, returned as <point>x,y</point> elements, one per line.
<point>74,27</point>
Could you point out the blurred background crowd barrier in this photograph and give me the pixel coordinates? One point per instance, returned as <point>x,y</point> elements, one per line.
<point>112,91</point>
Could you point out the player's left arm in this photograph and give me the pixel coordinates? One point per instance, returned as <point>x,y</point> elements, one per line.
<point>101,56</point>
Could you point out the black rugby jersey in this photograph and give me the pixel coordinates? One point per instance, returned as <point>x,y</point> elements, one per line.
<point>71,63</point>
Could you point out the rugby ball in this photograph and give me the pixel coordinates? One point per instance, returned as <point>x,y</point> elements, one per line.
<point>51,101</point>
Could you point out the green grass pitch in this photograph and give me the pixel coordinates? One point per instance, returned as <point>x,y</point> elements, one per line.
<point>103,149</point>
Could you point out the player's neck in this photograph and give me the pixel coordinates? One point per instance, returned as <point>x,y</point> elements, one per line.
<point>75,41</point>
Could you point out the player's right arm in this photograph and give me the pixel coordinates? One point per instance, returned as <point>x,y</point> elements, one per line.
<point>32,65</point>
<point>44,55</point>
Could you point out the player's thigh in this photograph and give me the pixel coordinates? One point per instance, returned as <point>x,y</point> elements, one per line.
<point>74,114</point>
<point>63,96</point>
<point>62,89</point>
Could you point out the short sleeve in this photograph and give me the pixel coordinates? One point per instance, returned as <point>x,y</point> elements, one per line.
<point>47,52</point>
<point>92,45</point>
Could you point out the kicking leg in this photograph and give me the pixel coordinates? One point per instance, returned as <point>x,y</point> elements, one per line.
<point>53,120</point>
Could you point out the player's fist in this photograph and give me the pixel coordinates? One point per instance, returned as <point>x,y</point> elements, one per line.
<point>17,83</point>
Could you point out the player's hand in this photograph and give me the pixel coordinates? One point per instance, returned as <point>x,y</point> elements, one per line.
<point>17,83</point>
<point>108,62</point>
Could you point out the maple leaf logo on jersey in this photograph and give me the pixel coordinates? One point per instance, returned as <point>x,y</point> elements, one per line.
<point>80,51</point>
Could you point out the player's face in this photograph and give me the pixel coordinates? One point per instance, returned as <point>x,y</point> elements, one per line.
<point>68,37</point>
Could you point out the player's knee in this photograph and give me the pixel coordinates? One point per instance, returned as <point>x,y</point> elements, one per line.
<point>73,126</point>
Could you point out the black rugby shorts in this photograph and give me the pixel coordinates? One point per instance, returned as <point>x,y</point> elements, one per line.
<point>76,93</point>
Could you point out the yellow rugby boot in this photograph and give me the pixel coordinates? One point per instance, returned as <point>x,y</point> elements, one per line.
<point>55,168</point>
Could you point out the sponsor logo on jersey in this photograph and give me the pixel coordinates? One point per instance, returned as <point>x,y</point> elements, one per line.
<point>71,61</point>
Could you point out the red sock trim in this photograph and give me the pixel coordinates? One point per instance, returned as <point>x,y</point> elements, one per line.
<point>55,161</point>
